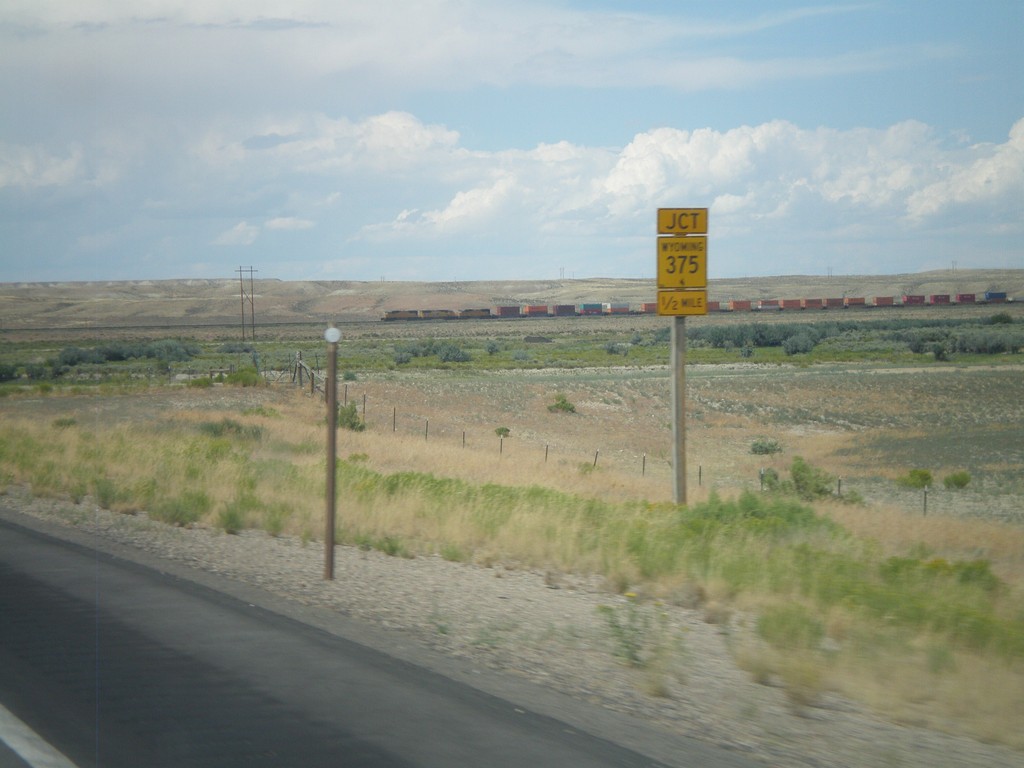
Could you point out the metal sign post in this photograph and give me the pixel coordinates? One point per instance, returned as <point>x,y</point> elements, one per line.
<point>679,408</point>
<point>332,335</point>
<point>682,270</point>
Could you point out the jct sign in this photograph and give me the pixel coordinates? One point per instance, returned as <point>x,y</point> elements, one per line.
<point>682,221</point>
<point>682,261</point>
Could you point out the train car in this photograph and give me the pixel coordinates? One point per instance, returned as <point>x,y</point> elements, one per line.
<point>768,305</point>
<point>563,310</point>
<point>401,314</point>
<point>535,310</point>
<point>740,305</point>
<point>855,301</point>
<point>812,303</point>
<point>913,300</point>
<point>995,297</point>
<point>474,313</point>
<point>615,308</point>
<point>590,309</point>
<point>649,308</point>
<point>938,298</point>
<point>791,304</point>
<point>437,314</point>
<point>965,298</point>
<point>507,311</point>
<point>883,301</point>
<point>713,306</point>
<point>834,303</point>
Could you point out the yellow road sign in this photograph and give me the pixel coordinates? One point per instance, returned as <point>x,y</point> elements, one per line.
<point>683,262</point>
<point>676,303</point>
<point>682,221</point>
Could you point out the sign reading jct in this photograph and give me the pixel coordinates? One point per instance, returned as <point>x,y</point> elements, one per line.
<point>682,303</point>
<point>682,221</point>
<point>682,262</point>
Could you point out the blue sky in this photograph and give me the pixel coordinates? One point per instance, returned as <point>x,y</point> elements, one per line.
<point>474,140</point>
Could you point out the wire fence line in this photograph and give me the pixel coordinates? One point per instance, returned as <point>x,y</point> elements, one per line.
<point>385,418</point>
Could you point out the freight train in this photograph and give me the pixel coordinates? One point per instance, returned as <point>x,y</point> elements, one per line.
<point>734,305</point>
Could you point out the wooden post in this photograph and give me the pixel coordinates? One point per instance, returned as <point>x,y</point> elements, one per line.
<point>679,408</point>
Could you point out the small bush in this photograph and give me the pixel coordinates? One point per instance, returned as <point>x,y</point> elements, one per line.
<point>810,482</point>
<point>562,405</point>
<point>764,446</point>
<point>244,377</point>
<point>957,480</point>
<point>502,431</point>
<point>348,418</point>
<point>203,382</point>
<point>183,511</point>
<point>232,517</point>
<point>916,478</point>
<point>798,344</point>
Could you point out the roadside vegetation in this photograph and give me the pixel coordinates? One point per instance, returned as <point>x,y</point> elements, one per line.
<point>495,345</point>
<point>818,589</point>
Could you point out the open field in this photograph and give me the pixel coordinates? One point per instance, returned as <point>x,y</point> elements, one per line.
<point>74,305</point>
<point>871,595</point>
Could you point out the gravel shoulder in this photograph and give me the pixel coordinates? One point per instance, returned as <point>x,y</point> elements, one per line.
<point>542,639</point>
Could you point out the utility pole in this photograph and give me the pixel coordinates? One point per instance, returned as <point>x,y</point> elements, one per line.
<point>247,297</point>
<point>332,335</point>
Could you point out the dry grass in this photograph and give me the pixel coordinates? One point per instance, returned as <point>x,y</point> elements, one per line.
<point>152,446</point>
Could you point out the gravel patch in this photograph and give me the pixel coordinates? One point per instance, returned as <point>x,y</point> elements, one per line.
<point>553,630</point>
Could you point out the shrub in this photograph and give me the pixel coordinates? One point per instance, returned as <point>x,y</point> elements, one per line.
<point>244,377</point>
<point>183,511</point>
<point>957,480</point>
<point>1001,318</point>
<point>809,481</point>
<point>348,418</point>
<point>790,627</point>
<point>916,478</point>
<point>561,405</point>
<point>492,347</point>
<point>203,382</point>
<point>798,344</point>
<point>451,353</point>
<point>764,446</point>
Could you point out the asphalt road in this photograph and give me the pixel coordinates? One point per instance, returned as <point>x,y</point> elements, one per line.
<point>117,664</point>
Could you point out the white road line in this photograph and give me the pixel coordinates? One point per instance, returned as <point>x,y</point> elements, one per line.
<point>28,745</point>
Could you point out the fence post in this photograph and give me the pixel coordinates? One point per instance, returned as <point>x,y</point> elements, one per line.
<point>925,501</point>
<point>596,454</point>
<point>501,445</point>
<point>546,453</point>
<point>643,467</point>
<point>700,474</point>
<point>394,419</point>
<point>426,430</point>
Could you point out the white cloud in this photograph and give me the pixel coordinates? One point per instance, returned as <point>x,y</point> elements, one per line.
<point>34,166</point>
<point>243,233</point>
<point>288,223</point>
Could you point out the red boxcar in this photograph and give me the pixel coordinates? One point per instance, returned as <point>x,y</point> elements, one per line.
<point>506,311</point>
<point>966,298</point>
<point>913,300</point>
<point>884,301</point>
<point>938,298</point>
<point>792,304</point>
<point>536,310</point>
<point>768,304</point>
<point>564,310</point>
<point>649,307</point>
<point>856,301</point>
<point>713,306</point>
<point>739,305</point>
<point>834,303</point>
<point>813,303</point>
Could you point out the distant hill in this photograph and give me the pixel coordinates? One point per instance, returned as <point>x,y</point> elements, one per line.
<point>152,302</point>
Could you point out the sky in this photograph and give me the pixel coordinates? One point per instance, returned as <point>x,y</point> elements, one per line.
<point>448,140</point>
